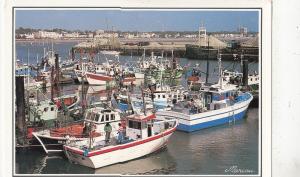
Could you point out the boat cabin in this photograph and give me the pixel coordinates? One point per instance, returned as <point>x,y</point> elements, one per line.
<point>141,126</point>
<point>43,110</point>
<point>216,98</point>
<point>100,116</point>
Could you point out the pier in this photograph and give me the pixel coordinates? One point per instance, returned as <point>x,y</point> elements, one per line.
<point>191,48</point>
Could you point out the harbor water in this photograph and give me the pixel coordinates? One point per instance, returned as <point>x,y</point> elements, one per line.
<point>228,149</point>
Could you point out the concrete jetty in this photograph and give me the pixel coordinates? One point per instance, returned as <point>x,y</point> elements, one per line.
<point>192,48</point>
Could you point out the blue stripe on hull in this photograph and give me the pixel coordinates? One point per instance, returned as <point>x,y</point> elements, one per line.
<point>191,128</point>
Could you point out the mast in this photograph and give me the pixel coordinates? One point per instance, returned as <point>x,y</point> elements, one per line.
<point>174,61</point>
<point>220,70</point>
<point>52,84</point>
<point>207,62</point>
<point>144,104</point>
<point>57,73</point>
<point>28,67</point>
<point>28,84</point>
<point>82,85</point>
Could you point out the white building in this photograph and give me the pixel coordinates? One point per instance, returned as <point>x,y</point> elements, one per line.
<point>29,36</point>
<point>71,35</point>
<point>99,31</point>
<point>106,35</point>
<point>46,34</point>
<point>90,35</point>
<point>145,35</point>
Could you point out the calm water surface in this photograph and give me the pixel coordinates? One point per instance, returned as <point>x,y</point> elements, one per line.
<point>209,151</point>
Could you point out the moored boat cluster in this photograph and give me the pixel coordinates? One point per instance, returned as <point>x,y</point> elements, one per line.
<point>132,112</point>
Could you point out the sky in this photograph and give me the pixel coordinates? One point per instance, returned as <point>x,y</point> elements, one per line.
<point>138,20</point>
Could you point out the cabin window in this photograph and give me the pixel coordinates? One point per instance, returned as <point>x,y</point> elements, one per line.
<point>164,96</point>
<point>102,118</point>
<point>97,117</point>
<point>52,108</point>
<point>208,99</point>
<point>134,124</point>
<point>92,116</point>
<point>88,115</point>
<point>112,117</point>
<point>170,96</point>
<point>158,96</point>
<point>45,109</point>
<point>106,117</point>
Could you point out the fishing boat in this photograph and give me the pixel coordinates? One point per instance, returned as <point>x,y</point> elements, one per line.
<point>98,79</point>
<point>103,73</point>
<point>81,68</point>
<point>67,100</point>
<point>95,118</point>
<point>236,78</point>
<point>163,94</point>
<point>144,135</point>
<point>213,105</point>
<point>108,52</point>
<point>128,78</point>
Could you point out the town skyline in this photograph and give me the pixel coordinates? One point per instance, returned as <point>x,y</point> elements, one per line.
<point>139,21</point>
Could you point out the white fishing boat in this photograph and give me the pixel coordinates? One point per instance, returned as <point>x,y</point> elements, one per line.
<point>81,68</point>
<point>143,135</point>
<point>164,94</point>
<point>95,118</point>
<point>213,105</point>
<point>103,73</point>
<point>210,107</point>
<point>108,52</point>
<point>236,77</point>
<point>98,79</point>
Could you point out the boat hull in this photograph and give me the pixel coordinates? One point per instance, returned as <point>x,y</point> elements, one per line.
<point>97,79</point>
<point>120,153</point>
<point>194,122</point>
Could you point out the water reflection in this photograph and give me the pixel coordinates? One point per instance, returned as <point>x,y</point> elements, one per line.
<point>156,163</point>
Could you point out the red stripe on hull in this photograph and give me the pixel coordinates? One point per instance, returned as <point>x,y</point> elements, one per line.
<point>99,77</point>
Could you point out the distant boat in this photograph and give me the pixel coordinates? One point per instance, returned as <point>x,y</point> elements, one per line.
<point>98,79</point>
<point>108,52</point>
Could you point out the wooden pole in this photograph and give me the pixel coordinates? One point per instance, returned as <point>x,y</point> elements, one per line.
<point>20,102</point>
